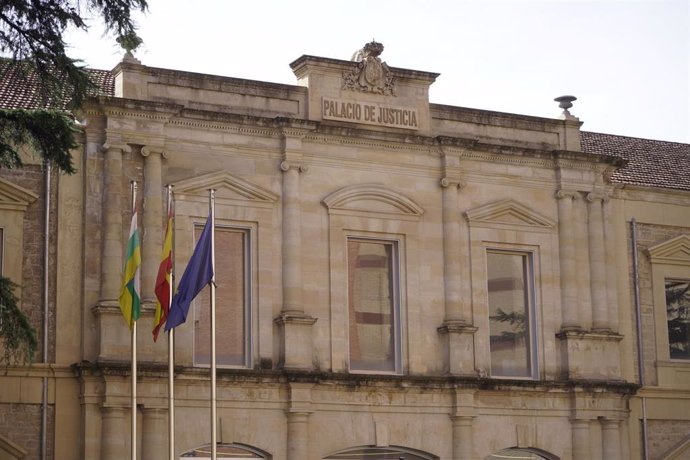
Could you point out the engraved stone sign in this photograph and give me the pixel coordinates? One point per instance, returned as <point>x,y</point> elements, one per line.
<point>369,113</point>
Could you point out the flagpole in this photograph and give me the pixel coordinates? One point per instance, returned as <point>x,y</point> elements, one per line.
<point>134,356</point>
<point>212,206</point>
<point>171,339</point>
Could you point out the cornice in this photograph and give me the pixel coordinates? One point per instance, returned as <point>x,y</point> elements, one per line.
<point>374,144</point>
<point>653,194</point>
<point>233,128</point>
<point>117,106</point>
<point>349,381</point>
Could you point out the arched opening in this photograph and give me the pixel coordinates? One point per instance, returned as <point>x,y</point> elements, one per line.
<point>515,453</point>
<point>235,451</point>
<point>380,453</point>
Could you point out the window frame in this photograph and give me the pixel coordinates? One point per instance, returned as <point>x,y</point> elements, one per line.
<point>530,275</point>
<point>668,340</point>
<point>669,259</point>
<point>248,315</point>
<point>396,294</point>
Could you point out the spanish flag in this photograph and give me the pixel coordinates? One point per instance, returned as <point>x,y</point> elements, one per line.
<point>130,300</point>
<point>164,278</point>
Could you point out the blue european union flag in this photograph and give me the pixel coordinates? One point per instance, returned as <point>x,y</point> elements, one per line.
<point>197,275</point>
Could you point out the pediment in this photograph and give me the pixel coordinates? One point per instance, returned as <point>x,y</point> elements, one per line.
<point>509,213</point>
<point>14,197</point>
<point>372,199</point>
<point>228,187</point>
<point>675,251</point>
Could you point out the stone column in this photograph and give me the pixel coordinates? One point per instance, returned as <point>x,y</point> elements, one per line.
<point>292,239</point>
<point>111,261</point>
<point>452,257</point>
<point>297,435</point>
<point>463,448</point>
<point>611,439</point>
<point>457,326</point>
<point>154,443</point>
<point>568,261</point>
<point>152,221</point>
<point>296,347</point>
<point>580,433</point>
<point>114,434</point>
<point>597,263</point>
<point>611,279</point>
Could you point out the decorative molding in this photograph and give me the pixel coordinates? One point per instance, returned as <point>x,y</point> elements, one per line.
<point>149,149</point>
<point>285,166</point>
<point>562,193</point>
<point>372,199</point>
<point>228,188</point>
<point>229,126</point>
<point>116,145</point>
<point>14,197</point>
<point>509,213</point>
<point>452,182</point>
<point>675,251</point>
<point>591,197</point>
<point>456,327</point>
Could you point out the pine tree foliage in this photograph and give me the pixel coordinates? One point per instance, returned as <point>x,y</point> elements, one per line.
<point>48,131</point>
<point>17,337</point>
<point>31,34</point>
<point>31,38</point>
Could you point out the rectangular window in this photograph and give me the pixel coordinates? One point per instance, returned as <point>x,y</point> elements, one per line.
<point>372,269</point>
<point>678,318</point>
<point>511,312</point>
<point>232,302</point>
<point>2,251</point>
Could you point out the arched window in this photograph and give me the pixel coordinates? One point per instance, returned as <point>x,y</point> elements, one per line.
<point>234,451</point>
<point>515,453</point>
<point>380,453</point>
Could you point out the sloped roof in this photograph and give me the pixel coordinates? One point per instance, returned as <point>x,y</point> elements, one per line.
<point>650,162</point>
<point>18,88</point>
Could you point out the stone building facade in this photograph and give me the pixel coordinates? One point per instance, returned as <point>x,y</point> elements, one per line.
<point>396,278</point>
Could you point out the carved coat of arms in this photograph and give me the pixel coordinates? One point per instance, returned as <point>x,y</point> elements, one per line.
<point>369,73</point>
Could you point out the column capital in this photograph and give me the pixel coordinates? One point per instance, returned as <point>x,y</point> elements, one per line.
<point>564,193</point>
<point>591,197</point>
<point>286,166</point>
<point>153,149</point>
<point>116,145</point>
<point>452,182</point>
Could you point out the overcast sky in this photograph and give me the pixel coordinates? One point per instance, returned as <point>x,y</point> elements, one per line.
<point>627,61</point>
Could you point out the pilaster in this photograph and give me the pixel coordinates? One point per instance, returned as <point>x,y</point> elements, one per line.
<point>610,260</point>
<point>462,419</point>
<point>580,437</point>
<point>295,325</point>
<point>114,434</point>
<point>566,240</point>
<point>154,434</point>
<point>597,263</point>
<point>152,233</point>
<point>457,330</point>
<point>611,439</point>
<point>111,261</point>
<point>298,412</point>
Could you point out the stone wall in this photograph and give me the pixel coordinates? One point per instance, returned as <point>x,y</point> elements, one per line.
<point>647,236</point>
<point>32,177</point>
<point>21,424</point>
<point>664,434</point>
